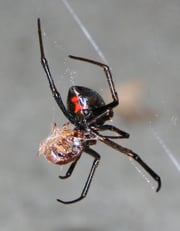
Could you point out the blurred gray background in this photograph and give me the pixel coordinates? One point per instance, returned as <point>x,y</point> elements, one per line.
<point>141,41</point>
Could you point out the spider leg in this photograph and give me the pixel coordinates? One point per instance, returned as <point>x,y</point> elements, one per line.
<point>45,65</point>
<point>108,74</point>
<point>104,113</point>
<point>135,156</point>
<point>123,134</point>
<point>70,169</point>
<point>89,179</point>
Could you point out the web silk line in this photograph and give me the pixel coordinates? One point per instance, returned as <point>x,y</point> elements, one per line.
<point>85,31</point>
<point>166,149</point>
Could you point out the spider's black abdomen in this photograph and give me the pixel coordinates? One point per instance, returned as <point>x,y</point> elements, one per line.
<point>80,98</point>
<point>85,102</point>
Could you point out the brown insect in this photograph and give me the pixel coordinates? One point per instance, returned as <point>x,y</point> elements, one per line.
<point>63,145</point>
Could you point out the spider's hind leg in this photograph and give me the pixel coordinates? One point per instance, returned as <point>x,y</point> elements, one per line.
<point>89,179</point>
<point>136,157</point>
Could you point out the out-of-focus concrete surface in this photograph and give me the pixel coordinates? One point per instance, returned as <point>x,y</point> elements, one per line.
<point>141,41</point>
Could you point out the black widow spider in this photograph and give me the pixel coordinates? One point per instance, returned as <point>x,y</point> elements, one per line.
<point>87,111</point>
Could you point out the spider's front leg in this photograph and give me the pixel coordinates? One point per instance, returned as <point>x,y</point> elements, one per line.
<point>108,74</point>
<point>45,65</point>
<point>44,62</point>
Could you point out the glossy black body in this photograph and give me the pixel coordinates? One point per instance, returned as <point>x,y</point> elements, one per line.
<point>88,112</point>
<point>87,106</point>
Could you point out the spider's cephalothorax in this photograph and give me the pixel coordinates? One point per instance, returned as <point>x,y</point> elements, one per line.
<point>88,112</point>
<point>84,105</point>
